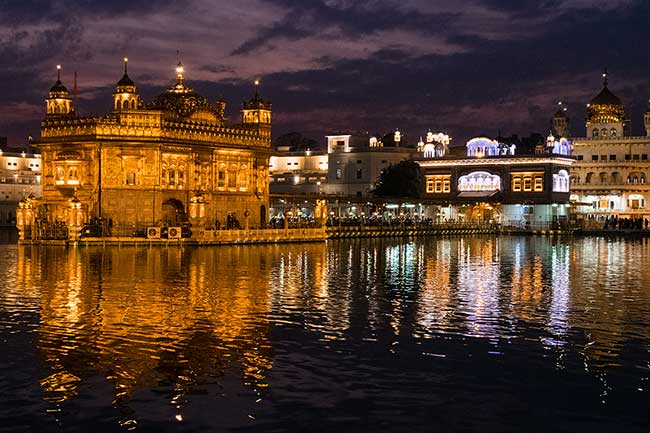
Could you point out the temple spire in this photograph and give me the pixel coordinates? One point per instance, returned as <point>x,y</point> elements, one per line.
<point>180,70</point>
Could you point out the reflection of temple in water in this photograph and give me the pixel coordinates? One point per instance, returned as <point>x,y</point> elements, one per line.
<point>180,320</point>
<point>146,318</point>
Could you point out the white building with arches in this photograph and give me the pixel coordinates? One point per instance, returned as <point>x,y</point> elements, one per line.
<point>611,173</point>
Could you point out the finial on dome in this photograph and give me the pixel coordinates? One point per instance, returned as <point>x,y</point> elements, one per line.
<point>605,78</point>
<point>180,71</point>
<point>126,62</point>
<point>58,72</point>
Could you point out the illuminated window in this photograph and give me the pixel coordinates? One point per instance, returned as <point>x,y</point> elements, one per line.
<point>438,184</point>
<point>529,182</point>
<point>72,176</point>
<point>430,185</point>
<point>60,173</point>
<point>130,179</point>
<point>339,173</point>
<point>561,181</point>
<point>479,181</point>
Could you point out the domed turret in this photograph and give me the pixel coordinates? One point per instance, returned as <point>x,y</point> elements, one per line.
<point>561,121</point>
<point>126,95</point>
<point>58,102</point>
<point>605,114</point>
<point>256,110</point>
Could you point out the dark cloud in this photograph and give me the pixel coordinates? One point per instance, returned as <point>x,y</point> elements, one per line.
<point>523,8</point>
<point>34,11</point>
<point>507,73</point>
<point>311,17</point>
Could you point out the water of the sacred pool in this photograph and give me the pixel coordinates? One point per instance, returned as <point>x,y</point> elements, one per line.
<point>471,334</point>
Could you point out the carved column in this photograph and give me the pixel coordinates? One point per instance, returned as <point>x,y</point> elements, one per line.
<point>197,211</point>
<point>76,219</point>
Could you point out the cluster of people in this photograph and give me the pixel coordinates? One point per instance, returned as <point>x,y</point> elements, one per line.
<point>277,222</point>
<point>97,227</point>
<point>383,221</point>
<point>614,222</point>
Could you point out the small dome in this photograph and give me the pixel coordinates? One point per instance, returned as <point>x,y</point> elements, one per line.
<point>126,84</point>
<point>58,87</point>
<point>256,103</point>
<point>125,81</point>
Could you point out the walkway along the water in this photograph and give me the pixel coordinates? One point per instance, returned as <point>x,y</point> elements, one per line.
<point>266,236</point>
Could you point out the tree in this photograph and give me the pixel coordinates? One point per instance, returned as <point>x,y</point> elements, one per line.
<point>402,180</point>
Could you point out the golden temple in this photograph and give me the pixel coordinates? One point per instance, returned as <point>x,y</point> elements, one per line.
<point>172,161</point>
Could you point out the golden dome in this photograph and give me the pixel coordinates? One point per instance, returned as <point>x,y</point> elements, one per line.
<point>605,107</point>
<point>184,101</point>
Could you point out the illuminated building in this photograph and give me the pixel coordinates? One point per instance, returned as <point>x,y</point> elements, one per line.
<point>493,183</point>
<point>611,173</point>
<point>349,167</point>
<point>346,171</point>
<point>20,177</point>
<point>170,161</point>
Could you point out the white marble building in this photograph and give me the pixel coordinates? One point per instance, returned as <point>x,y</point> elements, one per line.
<point>610,177</point>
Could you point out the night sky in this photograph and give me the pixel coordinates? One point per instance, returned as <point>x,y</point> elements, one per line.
<point>465,67</point>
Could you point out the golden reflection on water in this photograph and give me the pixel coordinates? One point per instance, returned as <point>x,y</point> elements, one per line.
<point>186,317</point>
<point>145,317</point>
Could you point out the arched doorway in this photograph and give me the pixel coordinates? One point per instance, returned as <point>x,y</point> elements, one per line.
<point>262,216</point>
<point>173,212</point>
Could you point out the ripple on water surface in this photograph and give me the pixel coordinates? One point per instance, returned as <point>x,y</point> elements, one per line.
<point>461,334</point>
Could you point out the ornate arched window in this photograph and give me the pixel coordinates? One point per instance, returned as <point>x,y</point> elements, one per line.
<point>561,181</point>
<point>612,132</point>
<point>603,178</point>
<point>429,150</point>
<point>479,181</point>
<point>594,133</point>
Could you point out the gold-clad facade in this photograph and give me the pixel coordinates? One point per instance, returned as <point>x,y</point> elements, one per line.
<point>173,160</point>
